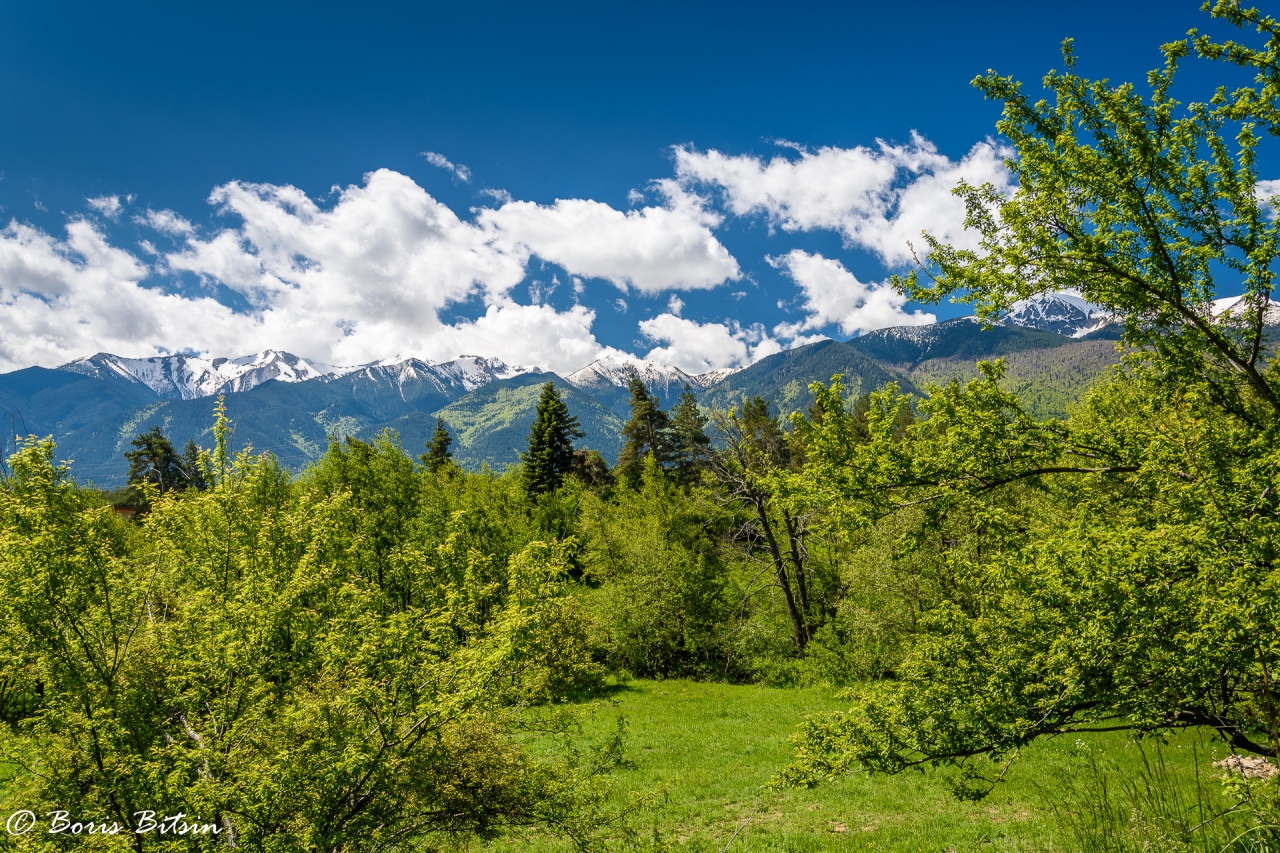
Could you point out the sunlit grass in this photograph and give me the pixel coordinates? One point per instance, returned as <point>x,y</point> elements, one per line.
<point>714,748</point>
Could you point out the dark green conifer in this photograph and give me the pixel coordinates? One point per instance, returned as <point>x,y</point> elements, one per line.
<point>591,468</point>
<point>550,454</point>
<point>190,471</point>
<point>689,439</point>
<point>648,432</point>
<point>763,435</point>
<point>438,455</point>
<point>153,460</point>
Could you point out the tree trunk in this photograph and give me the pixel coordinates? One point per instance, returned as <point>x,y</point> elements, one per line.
<point>797,620</point>
<point>802,584</point>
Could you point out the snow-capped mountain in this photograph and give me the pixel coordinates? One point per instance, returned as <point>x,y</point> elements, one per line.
<point>472,371</point>
<point>1231,306</point>
<point>913,344</point>
<point>663,379</point>
<point>1063,313</point>
<point>408,375</point>
<point>186,377</point>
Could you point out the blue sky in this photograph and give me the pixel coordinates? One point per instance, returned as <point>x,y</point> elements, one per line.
<point>705,183</point>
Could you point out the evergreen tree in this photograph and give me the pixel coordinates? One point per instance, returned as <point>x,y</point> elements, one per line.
<point>647,432</point>
<point>190,471</point>
<point>153,460</point>
<point>689,439</point>
<point>438,455</point>
<point>592,469</point>
<point>550,455</point>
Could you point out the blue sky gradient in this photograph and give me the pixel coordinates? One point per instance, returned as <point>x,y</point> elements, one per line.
<point>159,104</point>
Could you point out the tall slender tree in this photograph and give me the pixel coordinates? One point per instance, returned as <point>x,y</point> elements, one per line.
<point>689,440</point>
<point>647,432</point>
<point>753,447</point>
<point>438,455</point>
<point>550,454</point>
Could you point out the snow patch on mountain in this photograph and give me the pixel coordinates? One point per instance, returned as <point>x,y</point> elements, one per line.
<point>662,379</point>
<point>474,370</point>
<point>921,338</point>
<point>1064,313</point>
<point>187,377</point>
<point>1231,306</point>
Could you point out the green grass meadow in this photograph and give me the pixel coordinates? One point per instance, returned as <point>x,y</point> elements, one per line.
<point>714,747</point>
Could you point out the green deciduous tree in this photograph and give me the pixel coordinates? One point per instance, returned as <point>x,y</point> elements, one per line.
<point>550,454</point>
<point>1119,569</point>
<point>664,604</point>
<point>1145,206</point>
<point>754,450</point>
<point>300,666</point>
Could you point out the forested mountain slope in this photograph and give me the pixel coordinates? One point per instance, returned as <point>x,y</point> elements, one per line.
<point>94,407</point>
<point>784,378</point>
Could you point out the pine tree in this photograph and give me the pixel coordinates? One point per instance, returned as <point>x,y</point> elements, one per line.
<point>153,460</point>
<point>689,439</point>
<point>438,455</point>
<point>190,470</point>
<point>647,432</point>
<point>550,454</point>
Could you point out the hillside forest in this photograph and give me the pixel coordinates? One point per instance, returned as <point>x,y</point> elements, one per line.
<point>387,651</point>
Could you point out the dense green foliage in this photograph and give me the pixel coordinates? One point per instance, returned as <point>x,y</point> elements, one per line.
<point>1116,570</point>
<point>335,663</point>
<point>376,654</point>
<point>1047,382</point>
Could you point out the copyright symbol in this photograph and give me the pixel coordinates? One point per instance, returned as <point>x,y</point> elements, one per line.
<point>20,822</point>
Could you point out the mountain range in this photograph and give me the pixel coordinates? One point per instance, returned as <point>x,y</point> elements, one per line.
<point>292,406</point>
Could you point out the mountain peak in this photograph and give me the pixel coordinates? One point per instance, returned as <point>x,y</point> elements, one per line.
<point>1064,313</point>
<point>616,370</point>
<point>187,377</point>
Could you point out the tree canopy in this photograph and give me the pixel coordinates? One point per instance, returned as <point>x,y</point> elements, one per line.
<point>550,454</point>
<point>1116,570</point>
<point>153,460</point>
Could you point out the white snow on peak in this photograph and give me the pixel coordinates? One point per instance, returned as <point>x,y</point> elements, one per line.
<point>711,377</point>
<point>1065,313</point>
<point>1229,306</point>
<point>474,370</point>
<point>662,378</point>
<point>187,377</point>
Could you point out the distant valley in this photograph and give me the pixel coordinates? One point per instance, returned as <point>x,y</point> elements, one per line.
<point>291,406</point>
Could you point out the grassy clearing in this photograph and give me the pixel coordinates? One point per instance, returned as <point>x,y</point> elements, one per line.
<point>715,746</point>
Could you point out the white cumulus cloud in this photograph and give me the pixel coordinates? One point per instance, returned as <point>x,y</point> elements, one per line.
<point>832,294</point>
<point>652,249</point>
<point>876,198</point>
<point>373,273</point>
<point>63,299</point>
<point>698,347</point>
<point>166,222</point>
